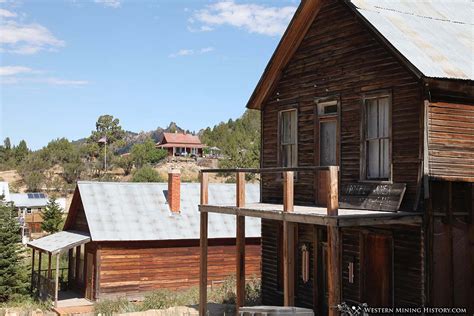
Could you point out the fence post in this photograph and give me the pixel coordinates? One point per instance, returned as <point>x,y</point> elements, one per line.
<point>203,246</point>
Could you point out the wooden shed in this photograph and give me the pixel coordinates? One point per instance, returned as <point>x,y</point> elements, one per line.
<point>367,159</point>
<point>128,239</point>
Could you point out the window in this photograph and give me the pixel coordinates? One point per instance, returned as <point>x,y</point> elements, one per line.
<point>288,138</point>
<point>377,137</point>
<point>328,134</point>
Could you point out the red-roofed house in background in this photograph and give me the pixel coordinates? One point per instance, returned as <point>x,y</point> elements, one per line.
<point>178,144</point>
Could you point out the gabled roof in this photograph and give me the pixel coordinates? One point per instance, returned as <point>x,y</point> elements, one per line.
<point>178,138</point>
<point>434,38</point>
<point>123,211</point>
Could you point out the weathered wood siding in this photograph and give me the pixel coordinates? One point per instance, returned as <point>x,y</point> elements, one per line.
<point>451,140</point>
<point>340,57</point>
<point>408,272</point>
<point>132,269</point>
<point>80,221</point>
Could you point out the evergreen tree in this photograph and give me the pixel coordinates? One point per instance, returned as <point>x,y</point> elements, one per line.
<point>52,217</point>
<point>13,277</point>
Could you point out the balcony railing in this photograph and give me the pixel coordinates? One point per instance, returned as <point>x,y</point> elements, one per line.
<point>332,184</point>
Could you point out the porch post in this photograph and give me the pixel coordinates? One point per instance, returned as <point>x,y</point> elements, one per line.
<point>49,265</point>
<point>334,269</point>
<point>78,264</point>
<point>203,248</point>
<point>56,284</point>
<point>288,241</point>
<point>32,269</point>
<point>240,241</point>
<point>40,259</point>
<point>333,191</point>
<point>70,266</point>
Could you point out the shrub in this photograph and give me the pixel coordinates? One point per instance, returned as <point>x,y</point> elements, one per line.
<point>146,174</point>
<point>114,306</point>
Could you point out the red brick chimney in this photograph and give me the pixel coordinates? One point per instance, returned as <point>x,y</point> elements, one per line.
<point>174,190</point>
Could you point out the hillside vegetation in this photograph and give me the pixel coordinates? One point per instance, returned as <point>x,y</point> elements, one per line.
<point>57,166</point>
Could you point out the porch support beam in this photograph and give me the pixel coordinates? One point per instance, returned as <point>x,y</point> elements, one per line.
<point>32,269</point>
<point>203,247</point>
<point>334,269</point>
<point>78,264</point>
<point>56,283</point>
<point>288,241</point>
<point>70,267</point>
<point>40,259</point>
<point>240,241</point>
<point>333,191</point>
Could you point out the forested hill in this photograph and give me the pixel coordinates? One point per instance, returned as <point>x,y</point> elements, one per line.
<point>238,140</point>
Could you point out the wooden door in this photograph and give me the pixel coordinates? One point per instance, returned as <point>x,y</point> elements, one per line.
<point>377,262</point>
<point>90,276</point>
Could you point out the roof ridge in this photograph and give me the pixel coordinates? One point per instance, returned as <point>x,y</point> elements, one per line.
<point>417,15</point>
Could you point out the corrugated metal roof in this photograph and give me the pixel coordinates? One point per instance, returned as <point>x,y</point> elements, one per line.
<point>22,200</point>
<point>139,211</point>
<point>436,36</point>
<point>180,138</point>
<point>60,241</point>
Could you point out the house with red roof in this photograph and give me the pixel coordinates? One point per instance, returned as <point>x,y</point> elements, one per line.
<point>178,144</point>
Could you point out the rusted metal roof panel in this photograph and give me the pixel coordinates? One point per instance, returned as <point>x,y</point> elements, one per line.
<point>124,211</point>
<point>436,36</point>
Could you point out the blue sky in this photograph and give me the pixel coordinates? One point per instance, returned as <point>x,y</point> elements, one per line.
<point>65,62</point>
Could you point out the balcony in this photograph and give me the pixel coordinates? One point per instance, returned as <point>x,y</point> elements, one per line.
<point>380,207</point>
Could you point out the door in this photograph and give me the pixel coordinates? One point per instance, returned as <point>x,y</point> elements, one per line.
<point>377,262</point>
<point>327,151</point>
<point>90,276</point>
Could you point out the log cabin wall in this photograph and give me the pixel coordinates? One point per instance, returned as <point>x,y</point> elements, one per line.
<point>340,57</point>
<point>451,140</point>
<point>132,269</point>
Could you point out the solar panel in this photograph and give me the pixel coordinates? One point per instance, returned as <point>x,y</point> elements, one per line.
<point>36,195</point>
<point>31,195</point>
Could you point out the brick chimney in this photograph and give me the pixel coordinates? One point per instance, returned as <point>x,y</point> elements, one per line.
<point>174,190</point>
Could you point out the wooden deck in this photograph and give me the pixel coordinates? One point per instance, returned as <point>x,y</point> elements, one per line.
<point>316,215</point>
<point>73,303</point>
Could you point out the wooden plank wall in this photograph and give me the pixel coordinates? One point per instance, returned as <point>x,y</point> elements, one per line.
<point>80,221</point>
<point>408,259</point>
<point>131,269</point>
<point>451,140</point>
<point>340,57</point>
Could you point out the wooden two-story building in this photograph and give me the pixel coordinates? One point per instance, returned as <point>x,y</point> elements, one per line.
<point>367,159</point>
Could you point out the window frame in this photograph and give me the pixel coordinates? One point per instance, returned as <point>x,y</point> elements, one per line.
<point>324,118</point>
<point>279,136</point>
<point>364,137</point>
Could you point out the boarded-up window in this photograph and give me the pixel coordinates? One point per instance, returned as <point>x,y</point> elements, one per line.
<point>288,138</point>
<point>377,138</point>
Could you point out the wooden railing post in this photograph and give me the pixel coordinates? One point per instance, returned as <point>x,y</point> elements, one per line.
<point>240,241</point>
<point>288,191</point>
<point>288,241</point>
<point>334,269</point>
<point>203,246</point>
<point>56,283</point>
<point>332,188</point>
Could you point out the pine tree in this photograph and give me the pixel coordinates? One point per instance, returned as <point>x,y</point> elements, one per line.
<point>52,217</point>
<point>13,276</point>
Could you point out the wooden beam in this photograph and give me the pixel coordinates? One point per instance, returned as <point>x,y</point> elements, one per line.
<point>32,269</point>
<point>49,266</point>
<point>70,267</point>
<point>333,189</point>
<point>56,283</point>
<point>334,269</point>
<point>203,246</point>
<point>240,260</point>
<point>240,194</point>
<point>40,260</point>
<point>288,191</point>
<point>288,263</point>
<point>78,264</point>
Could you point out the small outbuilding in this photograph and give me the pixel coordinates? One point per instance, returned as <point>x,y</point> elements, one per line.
<point>128,239</point>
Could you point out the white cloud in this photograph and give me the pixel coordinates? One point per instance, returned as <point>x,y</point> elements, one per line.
<point>7,14</point>
<point>10,80</point>
<point>188,52</point>
<point>26,39</point>
<point>109,3</point>
<point>14,70</point>
<point>253,18</point>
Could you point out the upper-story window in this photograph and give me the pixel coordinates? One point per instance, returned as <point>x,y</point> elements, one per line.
<point>288,138</point>
<point>377,137</point>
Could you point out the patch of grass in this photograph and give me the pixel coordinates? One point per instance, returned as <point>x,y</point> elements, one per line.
<point>26,303</point>
<point>162,299</point>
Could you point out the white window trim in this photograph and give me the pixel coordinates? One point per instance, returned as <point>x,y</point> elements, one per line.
<point>363,135</point>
